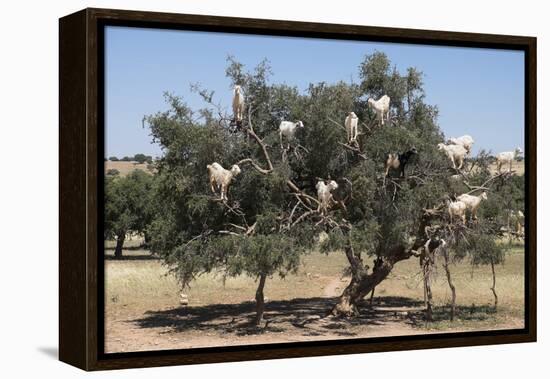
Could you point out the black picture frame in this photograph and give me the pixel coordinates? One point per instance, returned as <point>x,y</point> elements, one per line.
<point>81,154</point>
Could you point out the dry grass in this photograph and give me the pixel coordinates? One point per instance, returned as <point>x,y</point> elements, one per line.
<point>474,297</point>
<point>125,168</point>
<point>518,167</point>
<point>138,284</point>
<point>146,284</point>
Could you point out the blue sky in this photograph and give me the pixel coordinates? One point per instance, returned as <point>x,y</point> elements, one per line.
<point>478,91</point>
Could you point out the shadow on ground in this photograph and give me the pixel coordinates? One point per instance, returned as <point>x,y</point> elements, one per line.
<point>304,316</point>
<point>475,313</point>
<point>134,257</point>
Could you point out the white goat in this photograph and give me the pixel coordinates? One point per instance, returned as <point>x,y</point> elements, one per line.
<point>508,157</point>
<point>516,221</point>
<point>220,178</point>
<point>238,103</point>
<point>351,126</point>
<point>324,194</point>
<point>456,154</point>
<point>457,208</point>
<point>465,140</point>
<point>456,178</point>
<point>381,107</point>
<point>288,129</point>
<point>472,203</point>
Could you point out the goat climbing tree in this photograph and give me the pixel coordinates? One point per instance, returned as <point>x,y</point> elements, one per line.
<point>271,217</point>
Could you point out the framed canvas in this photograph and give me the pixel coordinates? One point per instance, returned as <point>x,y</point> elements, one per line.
<point>241,189</point>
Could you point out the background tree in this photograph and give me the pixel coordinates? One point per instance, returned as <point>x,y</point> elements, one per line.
<point>127,206</point>
<point>142,158</point>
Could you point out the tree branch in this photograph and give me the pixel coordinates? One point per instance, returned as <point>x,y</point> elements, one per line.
<point>485,186</point>
<point>255,165</point>
<point>354,149</point>
<point>250,131</point>
<point>302,217</point>
<point>299,192</point>
<point>337,123</point>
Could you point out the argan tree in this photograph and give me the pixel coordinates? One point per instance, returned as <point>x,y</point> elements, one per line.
<point>272,216</point>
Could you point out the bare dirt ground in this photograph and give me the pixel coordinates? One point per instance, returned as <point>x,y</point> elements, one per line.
<point>142,310</point>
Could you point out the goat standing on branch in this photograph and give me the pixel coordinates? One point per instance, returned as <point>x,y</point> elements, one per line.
<point>456,154</point>
<point>507,157</point>
<point>220,178</point>
<point>465,141</point>
<point>398,161</point>
<point>381,107</point>
<point>516,222</point>
<point>351,127</point>
<point>427,263</point>
<point>457,208</point>
<point>324,194</point>
<point>472,203</point>
<point>238,104</point>
<point>288,129</point>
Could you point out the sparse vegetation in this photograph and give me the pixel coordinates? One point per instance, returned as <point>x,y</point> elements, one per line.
<point>112,172</point>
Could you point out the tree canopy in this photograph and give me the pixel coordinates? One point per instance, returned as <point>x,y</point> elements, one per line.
<point>127,206</point>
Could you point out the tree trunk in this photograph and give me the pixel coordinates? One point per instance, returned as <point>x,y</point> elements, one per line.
<point>427,270</point>
<point>377,262</point>
<point>362,282</point>
<point>428,297</point>
<point>372,296</point>
<point>119,244</point>
<point>451,285</point>
<point>260,303</point>
<point>493,288</point>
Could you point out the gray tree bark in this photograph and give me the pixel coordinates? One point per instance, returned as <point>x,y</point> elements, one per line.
<point>119,244</point>
<point>260,302</point>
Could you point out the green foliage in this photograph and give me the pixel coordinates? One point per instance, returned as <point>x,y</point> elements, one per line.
<point>112,172</point>
<point>481,248</point>
<point>113,159</point>
<point>142,158</point>
<point>127,206</point>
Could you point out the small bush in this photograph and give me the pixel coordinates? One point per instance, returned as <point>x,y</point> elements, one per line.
<point>113,172</point>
